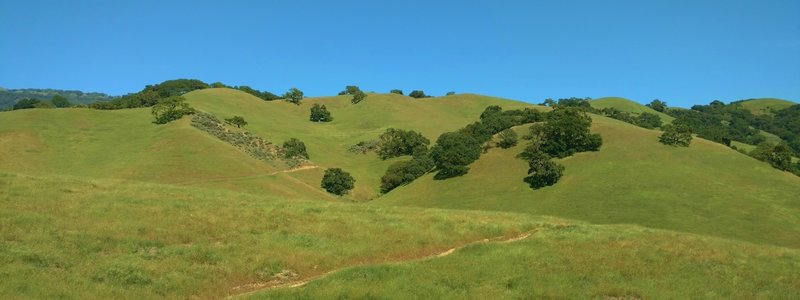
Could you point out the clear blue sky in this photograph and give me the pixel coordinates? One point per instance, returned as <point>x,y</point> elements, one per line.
<point>683,52</point>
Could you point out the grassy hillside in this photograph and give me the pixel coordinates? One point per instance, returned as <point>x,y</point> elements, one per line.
<point>113,206</point>
<point>124,144</point>
<point>628,106</point>
<point>706,189</point>
<point>327,143</point>
<point>63,237</point>
<point>765,105</point>
<point>576,262</point>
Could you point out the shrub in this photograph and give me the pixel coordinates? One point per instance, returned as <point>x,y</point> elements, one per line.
<point>398,142</point>
<point>778,156</point>
<point>676,135</point>
<point>399,92</point>
<point>363,147</point>
<point>294,95</point>
<point>508,139</point>
<point>251,144</point>
<point>294,148</point>
<point>170,109</point>
<point>337,182</point>
<point>450,93</point>
<point>236,120</point>
<point>320,113</point>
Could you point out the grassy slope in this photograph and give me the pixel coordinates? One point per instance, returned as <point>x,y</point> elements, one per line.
<point>124,144</point>
<point>766,105</point>
<point>105,239</point>
<point>577,262</point>
<point>629,106</point>
<point>706,189</point>
<point>327,143</point>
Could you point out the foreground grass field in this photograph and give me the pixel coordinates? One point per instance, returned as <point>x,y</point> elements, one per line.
<point>576,262</point>
<point>104,239</point>
<point>706,189</point>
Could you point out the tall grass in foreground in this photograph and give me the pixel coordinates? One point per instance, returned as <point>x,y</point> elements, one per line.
<point>69,238</point>
<point>576,262</point>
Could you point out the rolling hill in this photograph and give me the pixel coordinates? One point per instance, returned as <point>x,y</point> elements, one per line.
<point>105,204</point>
<point>629,106</point>
<point>124,144</point>
<point>706,189</point>
<point>8,97</point>
<point>765,105</point>
<point>327,143</point>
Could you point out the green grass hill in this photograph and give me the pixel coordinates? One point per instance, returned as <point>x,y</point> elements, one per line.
<point>328,143</point>
<point>706,189</point>
<point>124,144</point>
<point>765,105</point>
<point>629,106</point>
<point>106,204</point>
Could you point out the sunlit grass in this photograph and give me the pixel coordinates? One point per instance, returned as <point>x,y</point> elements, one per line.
<point>108,239</point>
<point>576,262</point>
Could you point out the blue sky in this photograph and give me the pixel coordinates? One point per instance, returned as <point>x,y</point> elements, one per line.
<point>683,52</point>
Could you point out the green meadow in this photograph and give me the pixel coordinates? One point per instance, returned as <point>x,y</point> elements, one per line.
<point>103,204</point>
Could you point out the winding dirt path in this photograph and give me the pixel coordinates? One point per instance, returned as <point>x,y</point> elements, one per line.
<point>218,179</point>
<point>252,288</point>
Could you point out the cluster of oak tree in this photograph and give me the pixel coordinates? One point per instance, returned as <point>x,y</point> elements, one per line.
<point>559,133</point>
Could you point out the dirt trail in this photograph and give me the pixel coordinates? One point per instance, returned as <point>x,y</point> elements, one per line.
<point>251,288</point>
<point>217,179</point>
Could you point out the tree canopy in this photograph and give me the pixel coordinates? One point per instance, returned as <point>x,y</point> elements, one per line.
<point>657,105</point>
<point>337,182</point>
<point>60,101</point>
<point>397,142</point>
<point>566,132</point>
<point>26,103</point>
<point>320,113</point>
<point>236,120</point>
<point>676,135</point>
<point>294,148</point>
<point>170,109</point>
<point>418,94</point>
<point>453,152</point>
<point>293,95</point>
